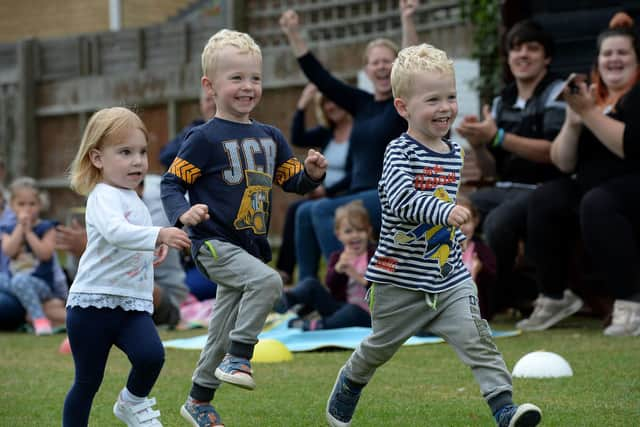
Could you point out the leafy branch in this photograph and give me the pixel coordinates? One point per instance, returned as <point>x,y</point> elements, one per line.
<point>484,16</point>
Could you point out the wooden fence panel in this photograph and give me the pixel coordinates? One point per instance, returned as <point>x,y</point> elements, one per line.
<point>164,45</point>
<point>119,52</point>
<point>199,33</point>
<point>57,59</point>
<point>8,59</point>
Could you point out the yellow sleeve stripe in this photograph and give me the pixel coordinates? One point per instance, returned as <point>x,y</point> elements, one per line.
<point>184,170</point>
<point>288,169</point>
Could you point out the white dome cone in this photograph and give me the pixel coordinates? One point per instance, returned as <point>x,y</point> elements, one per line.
<point>542,364</point>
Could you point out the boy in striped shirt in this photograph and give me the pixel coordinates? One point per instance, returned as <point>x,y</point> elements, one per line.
<point>418,280</point>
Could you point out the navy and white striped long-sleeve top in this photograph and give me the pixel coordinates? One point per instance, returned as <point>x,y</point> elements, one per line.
<point>418,188</point>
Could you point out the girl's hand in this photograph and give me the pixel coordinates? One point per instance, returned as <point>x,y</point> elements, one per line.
<point>160,254</point>
<point>315,164</point>
<point>195,215</point>
<point>174,238</point>
<point>458,216</point>
<point>24,219</point>
<point>345,263</point>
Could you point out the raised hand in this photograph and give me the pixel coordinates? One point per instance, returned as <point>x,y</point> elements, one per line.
<point>408,7</point>
<point>290,25</point>
<point>409,32</point>
<point>289,22</point>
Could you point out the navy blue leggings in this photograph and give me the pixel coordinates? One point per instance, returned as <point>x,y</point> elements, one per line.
<point>92,332</point>
<point>335,314</point>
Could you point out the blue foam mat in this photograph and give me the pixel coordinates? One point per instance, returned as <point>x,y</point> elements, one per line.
<point>296,340</point>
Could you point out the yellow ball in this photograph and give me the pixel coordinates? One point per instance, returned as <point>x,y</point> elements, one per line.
<point>269,350</point>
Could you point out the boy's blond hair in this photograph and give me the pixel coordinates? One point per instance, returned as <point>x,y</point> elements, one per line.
<point>103,127</point>
<point>414,60</point>
<point>355,214</point>
<point>242,41</point>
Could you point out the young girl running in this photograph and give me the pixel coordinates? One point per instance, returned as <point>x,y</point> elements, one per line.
<point>29,244</point>
<point>110,301</point>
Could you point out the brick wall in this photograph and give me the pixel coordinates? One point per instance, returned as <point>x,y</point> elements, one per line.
<point>46,18</point>
<point>138,13</point>
<point>42,18</point>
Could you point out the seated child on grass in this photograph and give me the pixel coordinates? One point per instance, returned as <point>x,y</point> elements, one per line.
<point>30,246</point>
<point>342,302</point>
<point>477,256</point>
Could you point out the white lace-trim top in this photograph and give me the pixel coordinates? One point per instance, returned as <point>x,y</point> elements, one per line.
<point>121,240</point>
<point>109,301</point>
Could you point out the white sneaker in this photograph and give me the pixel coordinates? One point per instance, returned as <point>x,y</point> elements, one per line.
<point>625,320</point>
<point>137,414</point>
<point>548,311</point>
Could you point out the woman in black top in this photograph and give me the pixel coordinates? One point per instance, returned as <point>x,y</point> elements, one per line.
<point>375,123</point>
<point>331,137</point>
<point>599,143</point>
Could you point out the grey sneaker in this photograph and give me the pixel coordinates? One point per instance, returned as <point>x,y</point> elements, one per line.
<point>200,414</point>
<point>625,320</point>
<point>137,414</point>
<point>547,311</point>
<point>525,415</point>
<point>342,402</point>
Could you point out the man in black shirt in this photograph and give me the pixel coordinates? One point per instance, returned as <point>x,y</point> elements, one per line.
<point>512,145</point>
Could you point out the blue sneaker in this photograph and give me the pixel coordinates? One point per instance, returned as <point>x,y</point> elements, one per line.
<point>342,402</point>
<point>200,414</point>
<point>237,371</point>
<point>525,415</point>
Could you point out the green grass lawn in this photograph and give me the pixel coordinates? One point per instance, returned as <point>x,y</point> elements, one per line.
<point>420,386</point>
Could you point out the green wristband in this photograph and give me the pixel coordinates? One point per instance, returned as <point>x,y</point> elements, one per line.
<point>498,139</point>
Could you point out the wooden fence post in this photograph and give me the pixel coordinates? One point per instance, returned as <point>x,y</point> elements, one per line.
<point>23,155</point>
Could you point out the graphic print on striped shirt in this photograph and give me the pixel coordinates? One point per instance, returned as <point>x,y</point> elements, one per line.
<point>417,248</point>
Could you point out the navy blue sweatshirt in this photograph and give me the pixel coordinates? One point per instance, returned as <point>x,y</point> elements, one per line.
<point>375,124</point>
<point>231,168</point>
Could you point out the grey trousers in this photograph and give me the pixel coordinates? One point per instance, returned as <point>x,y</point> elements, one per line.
<point>454,315</point>
<point>247,291</point>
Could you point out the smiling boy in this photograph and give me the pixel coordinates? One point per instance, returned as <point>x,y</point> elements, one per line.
<point>228,166</point>
<point>418,279</point>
